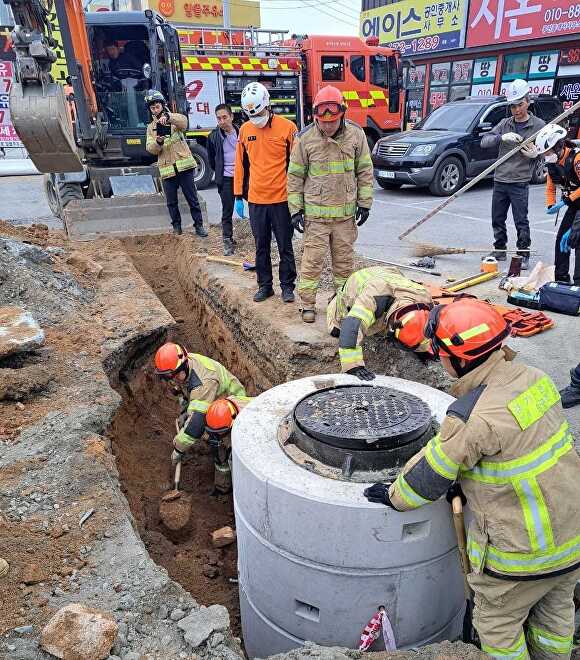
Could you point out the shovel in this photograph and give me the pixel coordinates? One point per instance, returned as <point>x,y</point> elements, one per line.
<point>458,523</point>
<point>175,506</point>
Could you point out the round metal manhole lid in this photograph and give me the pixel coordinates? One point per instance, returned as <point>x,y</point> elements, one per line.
<point>362,416</point>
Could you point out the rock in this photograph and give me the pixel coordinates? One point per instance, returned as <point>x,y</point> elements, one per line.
<point>163,612</point>
<point>199,625</point>
<point>80,632</point>
<point>84,264</point>
<point>4,567</point>
<point>33,574</point>
<point>177,615</point>
<point>22,630</point>
<point>210,571</point>
<point>132,656</point>
<point>19,331</point>
<point>17,384</point>
<point>222,537</point>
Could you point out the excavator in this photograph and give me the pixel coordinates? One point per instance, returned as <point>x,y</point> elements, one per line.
<point>88,135</point>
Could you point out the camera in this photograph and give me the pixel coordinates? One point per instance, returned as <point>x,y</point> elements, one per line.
<point>163,130</point>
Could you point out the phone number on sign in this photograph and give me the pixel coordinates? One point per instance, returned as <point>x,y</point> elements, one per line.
<point>417,45</point>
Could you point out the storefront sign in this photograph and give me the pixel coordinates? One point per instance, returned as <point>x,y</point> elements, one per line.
<point>6,51</point>
<point>437,97</point>
<point>461,71</point>
<point>482,90</point>
<point>8,136</point>
<point>198,12</point>
<point>569,92</point>
<point>500,21</point>
<point>536,87</point>
<point>484,70</point>
<point>416,77</point>
<point>417,26</point>
<point>570,56</point>
<point>440,73</point>
<point>202,94</point>
<point>543,65</point>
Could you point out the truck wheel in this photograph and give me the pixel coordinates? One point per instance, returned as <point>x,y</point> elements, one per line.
<point>449,177</point>
<point>60,193</point>
<point>540,173</point>
<point>204,173</point>
<point>385,184</point>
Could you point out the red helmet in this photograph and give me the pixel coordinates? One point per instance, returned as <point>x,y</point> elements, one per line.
<point>409,327</point>
<point>466,329</point>
<point>328,104</point>
<point>220,416</point>
<point>170,359</point>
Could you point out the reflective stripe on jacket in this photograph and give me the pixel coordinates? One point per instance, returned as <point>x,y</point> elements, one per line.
<point>174,154</point>
<point>329,177</point>
<point>506,439</point>
<point>365,305</point>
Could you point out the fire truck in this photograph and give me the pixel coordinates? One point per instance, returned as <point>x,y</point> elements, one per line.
<point>217,65</point>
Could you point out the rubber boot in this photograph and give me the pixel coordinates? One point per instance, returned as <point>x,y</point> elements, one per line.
<point>308,315</point>
<point>177,228</point>
<point>228,247</point>
<point>222,477</point>
<point>200,231</point>
<point>570,396</point>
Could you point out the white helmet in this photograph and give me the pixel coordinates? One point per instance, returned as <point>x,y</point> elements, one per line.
<point>255,98</point>
<point>549,136</point>
<point>517,91</point>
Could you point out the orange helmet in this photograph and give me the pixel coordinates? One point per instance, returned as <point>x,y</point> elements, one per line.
<point>220,416</point>
<point>328,104</point>
<point>170,359</point>
<point>409,327</point>
<point>466,329</point>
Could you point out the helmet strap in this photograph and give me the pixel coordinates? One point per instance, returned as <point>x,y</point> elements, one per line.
<point>471,364</point>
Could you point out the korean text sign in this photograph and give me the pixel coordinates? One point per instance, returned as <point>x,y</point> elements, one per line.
<point>8,136</point>
<point>493,21</point>
<point>202,93</point>
<point>417,26</point>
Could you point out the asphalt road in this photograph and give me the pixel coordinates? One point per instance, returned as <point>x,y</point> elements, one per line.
<point>464,223</point>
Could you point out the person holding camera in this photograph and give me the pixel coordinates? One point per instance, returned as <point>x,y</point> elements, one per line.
<point>166,140</point>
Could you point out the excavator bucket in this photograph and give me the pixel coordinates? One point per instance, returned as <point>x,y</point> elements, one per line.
<point>42,121</point>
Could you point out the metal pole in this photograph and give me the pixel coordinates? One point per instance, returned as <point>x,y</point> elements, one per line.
<point>226,8</point>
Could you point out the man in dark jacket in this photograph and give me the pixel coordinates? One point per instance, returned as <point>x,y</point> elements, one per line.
<point>222,155</point>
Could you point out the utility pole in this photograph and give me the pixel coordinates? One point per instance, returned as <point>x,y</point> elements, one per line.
<point>226,9</point>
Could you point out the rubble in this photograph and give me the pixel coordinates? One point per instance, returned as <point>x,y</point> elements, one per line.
<point>19,331</point>
<point>199,625</point>
<point>20,384</point>
<point>79,632</point>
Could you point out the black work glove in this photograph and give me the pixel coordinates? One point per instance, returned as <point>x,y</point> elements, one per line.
<point>566,198</point>
<point>362,215</point>
<point>297,221</point>
<point>574,240</point>
<point>455,490</point>
<point>379,493</point>
<point>362,373</point>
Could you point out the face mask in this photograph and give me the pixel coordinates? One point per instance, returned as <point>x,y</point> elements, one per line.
<point>551,158</point>
<point>260,122</point>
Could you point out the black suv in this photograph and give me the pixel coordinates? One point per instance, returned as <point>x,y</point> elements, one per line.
<point>444,149</point>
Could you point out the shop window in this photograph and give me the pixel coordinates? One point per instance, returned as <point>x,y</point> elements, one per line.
<point>357,67</point>
<point>515,66</point>
<point>332,68</point>
<point>379,71</point>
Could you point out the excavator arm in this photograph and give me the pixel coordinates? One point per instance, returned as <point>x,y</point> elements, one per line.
<point>38,106</point>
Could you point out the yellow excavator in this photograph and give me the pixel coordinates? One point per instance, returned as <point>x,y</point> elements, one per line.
<point>88,135</point>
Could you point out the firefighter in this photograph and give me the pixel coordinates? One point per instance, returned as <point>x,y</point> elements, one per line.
<point>219,420</point>
<point>198,381</point>
<point>563,161</point>
<point>262,153</point>
<point>174,159</point>
<point>571,393</point>
<point>372,301</point>
<point>506,443</point>
<point>330,192</point>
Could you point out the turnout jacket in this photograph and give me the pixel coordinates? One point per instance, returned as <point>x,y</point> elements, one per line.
<point>174,155</point>
<point>565,173</point>
<point>508,443</point>
<point>208,380</point>
<point>329,177</point>
<point>366,305</point>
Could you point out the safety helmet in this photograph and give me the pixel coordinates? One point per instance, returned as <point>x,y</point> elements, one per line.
<point>409,326</point>
<point>220,416</point>
<point>255,98</point>
<point>170,359</point>
<point>328,104</point>
<point>466,329</point>
<point>517,91</point>
<point>549,136</point>
<point>154,96</point>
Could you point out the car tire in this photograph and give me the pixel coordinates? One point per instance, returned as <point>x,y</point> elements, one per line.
<point>385,184</point>
<point>448,178</point>
<point>203,172</point>
<point>540,173</point>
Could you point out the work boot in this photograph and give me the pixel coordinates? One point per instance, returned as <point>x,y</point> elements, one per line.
<point>177,229</point>
<point>570,396</point>
<point>287,295</point>
<point>500,255</point>
<point>228,247</point>
<point>200,231</point>
<point>262,293</point>
<point>525,263</point>
<point>308,315</point>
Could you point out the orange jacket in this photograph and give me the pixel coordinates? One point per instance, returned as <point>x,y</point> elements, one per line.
<point>262,158</point>
<point>551,186</point>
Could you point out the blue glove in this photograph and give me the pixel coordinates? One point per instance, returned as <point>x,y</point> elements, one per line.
<point>564,244</point>
<point>239,207</point>
<point>552,210</point>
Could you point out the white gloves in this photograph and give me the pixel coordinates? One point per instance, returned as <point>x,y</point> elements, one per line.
<point>511,138</point>
<point>529,151</point>
<point>176,457</point>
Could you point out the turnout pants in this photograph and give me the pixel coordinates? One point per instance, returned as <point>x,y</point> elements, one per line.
<point>171,185</point>
<point>525,618</point>
<point>516,196</point>
<point>562,259</point>
<point>339,235</point>
<point>226,193</point>
<point>265,219</point>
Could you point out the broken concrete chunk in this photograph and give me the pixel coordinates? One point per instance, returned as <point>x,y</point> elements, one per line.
<point>199,625</point>
<point>79,632</point>
<point>84,264</point>
<point>18,331</point>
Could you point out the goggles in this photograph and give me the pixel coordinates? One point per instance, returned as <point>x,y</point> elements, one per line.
<point>328,109</point>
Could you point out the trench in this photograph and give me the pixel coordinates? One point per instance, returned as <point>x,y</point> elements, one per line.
<point>141,435</point>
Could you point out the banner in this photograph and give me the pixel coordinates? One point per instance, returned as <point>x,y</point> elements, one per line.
<point>8,136</point>
<point>500,21</point>
<point>203,94</point>
<point>417,26</point>
<point>243,13</point>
